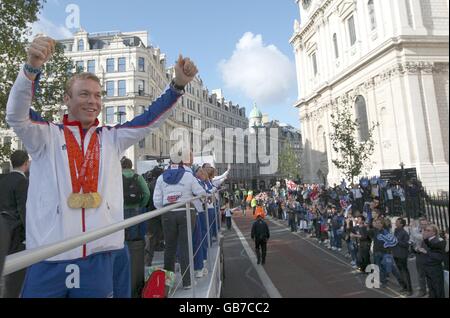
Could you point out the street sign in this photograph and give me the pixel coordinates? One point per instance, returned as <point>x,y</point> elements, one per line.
<point>395,175</point>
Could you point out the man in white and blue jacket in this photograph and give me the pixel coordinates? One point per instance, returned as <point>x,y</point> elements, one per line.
<point>50,215</point>
<point>177,184</point>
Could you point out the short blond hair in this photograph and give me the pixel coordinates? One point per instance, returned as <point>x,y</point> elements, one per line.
<point>80,77</point>
<point>433,228</point>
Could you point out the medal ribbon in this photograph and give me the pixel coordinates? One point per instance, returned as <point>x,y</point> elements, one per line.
<point>83,169</point>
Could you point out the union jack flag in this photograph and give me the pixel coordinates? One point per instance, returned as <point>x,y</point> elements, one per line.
<point>291,185</point>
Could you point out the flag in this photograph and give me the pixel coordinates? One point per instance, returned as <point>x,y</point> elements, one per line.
<point>291,185</point>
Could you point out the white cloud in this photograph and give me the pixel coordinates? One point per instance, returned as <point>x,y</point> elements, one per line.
<point>261,72</point>
<point>47,27</point>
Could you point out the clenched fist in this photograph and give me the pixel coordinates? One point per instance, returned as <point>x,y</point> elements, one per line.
<point>40,51</point>
<point>185,71</point>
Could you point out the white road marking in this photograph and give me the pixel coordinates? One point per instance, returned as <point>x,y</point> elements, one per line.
<point>272,291</point>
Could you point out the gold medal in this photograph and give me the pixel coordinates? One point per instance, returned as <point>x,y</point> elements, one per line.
<point>87,201</point>
<point>92,200</point>
<point>97,199</point>
<point>75,201</point>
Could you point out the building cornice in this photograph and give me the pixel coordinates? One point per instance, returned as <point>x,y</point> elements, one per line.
<point>398,69</point>
<point>310,24</point>
<point>397,43</point>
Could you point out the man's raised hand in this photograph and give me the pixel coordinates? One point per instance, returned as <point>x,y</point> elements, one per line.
<point>40,51</point>
<point>185,71</point>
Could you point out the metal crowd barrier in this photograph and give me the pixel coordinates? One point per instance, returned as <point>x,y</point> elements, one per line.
<point>26,258</point>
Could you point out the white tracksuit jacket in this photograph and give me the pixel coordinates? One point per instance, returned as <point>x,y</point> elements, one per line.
<point>49,219</point>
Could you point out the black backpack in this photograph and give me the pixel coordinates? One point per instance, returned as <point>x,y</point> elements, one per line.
<point>150,178</point>
<point>132,192</point>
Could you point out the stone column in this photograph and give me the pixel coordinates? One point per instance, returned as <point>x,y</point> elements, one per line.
<point>417,18</point>
<point>333,173</point>
<point>400,18</point>
<point>396,105</point>
<point>414,114</point>
<point>372,108</point>
<point>432,113</point>
<point>380,18</point>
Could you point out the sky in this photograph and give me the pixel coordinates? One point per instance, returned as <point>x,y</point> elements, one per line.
<point>240,46</point>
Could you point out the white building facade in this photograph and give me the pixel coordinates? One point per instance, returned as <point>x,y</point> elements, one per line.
<point>389,60</point>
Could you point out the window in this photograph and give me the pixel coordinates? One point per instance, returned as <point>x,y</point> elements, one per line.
<point>335,43</point>
<point>109,88</point>
<point>141,87</point>
<point>109,115</point>
<point>361,116</point>
<point>121,64</point>
<point>121,114</point>
<point>81,45</point>
<point>314,63</point>
<point>141,64</point>
<point>351,30</point>
<point>153,141</point>
<point>79,66</point>
<point>91,66</point>
<point>142,143</point>
<point>109,65</point>
<point>373,20</point>
<point>122,88</point>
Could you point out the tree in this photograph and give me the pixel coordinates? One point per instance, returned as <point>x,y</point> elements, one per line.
<point>289,162</point>
<point>16,16</point>
<point>354,154</point>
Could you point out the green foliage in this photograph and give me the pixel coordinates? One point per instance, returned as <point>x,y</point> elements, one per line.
<point>16,17</point>
<point>353,155</point>
<point>289,165</point>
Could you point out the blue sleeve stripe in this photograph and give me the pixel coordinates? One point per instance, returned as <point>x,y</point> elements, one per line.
<point>36,118</point>
<point>155,111</point>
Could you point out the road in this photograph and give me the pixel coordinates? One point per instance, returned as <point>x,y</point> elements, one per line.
<point>296,266</point>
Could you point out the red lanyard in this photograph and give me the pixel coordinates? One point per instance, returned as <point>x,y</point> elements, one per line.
<point>83,169</point>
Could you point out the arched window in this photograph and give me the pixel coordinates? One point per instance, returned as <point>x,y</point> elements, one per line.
<point>80,45</point>
<point>373,20</point>
<point>336,50</point>
<point>361,116</point>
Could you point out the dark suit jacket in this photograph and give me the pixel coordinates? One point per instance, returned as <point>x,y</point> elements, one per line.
<point>13,195</point>
<point>260,230</point>
<point>435,252</point>
<point>401,250</point>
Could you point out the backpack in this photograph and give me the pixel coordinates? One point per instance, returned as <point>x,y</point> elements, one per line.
<point>150,178</point>
<point>155,287</point>
<point>132,192</point>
